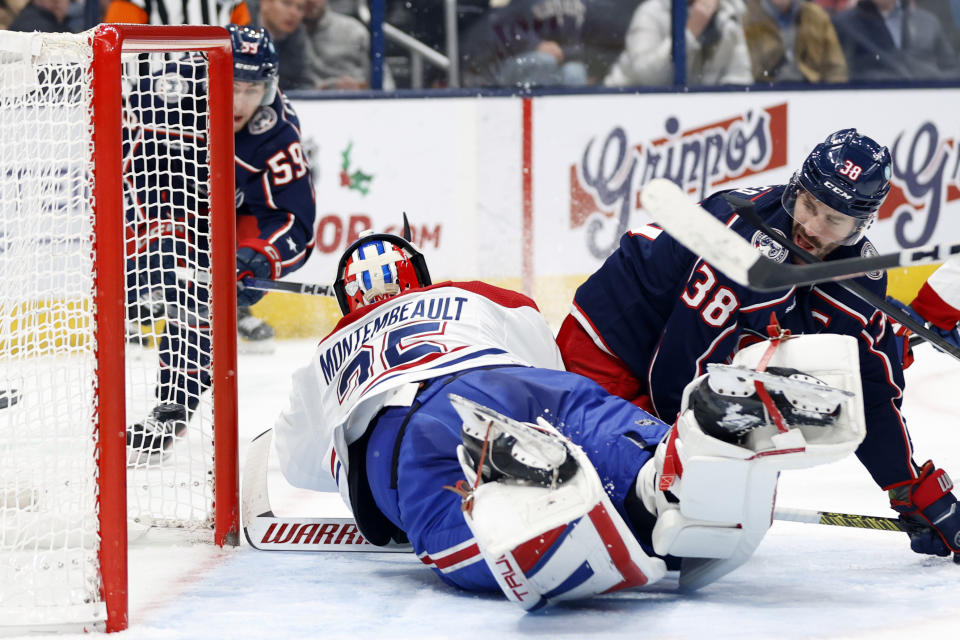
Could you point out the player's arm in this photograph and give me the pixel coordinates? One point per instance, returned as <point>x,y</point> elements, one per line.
<point>275,221</point>
<point>619,312</point>
<point>921,495</point>
<point>938,301</point>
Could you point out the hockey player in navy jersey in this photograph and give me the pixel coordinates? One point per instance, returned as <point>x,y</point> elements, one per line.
<point>442,415</point>
<point>655,315</point>
<point>275,213</point>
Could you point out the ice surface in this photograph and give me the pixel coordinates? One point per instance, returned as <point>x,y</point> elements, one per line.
<point>805,581</point>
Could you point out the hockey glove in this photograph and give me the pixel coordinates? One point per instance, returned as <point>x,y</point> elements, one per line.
<point>256,259</point>
<point>950,335</point>
<point>928,501</point>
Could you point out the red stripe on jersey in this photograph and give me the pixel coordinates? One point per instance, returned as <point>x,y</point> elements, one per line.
<point>443,562</point>
<point>503,297</point>
<point>935,309</point>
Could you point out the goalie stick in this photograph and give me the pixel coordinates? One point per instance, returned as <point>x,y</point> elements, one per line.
<point>679,216</point>
<point>268,532</point>
<point>698,230</point>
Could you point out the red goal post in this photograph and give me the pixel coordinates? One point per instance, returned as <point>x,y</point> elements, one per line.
<point>47,328</point>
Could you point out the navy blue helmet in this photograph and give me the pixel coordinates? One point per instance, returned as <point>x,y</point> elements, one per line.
<point>848,172</point>
<point>255,58</point>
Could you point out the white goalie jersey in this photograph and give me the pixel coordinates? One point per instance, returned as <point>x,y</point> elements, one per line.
<point>374,358</point>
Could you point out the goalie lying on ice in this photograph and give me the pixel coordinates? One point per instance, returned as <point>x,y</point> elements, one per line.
<point>444,417</point>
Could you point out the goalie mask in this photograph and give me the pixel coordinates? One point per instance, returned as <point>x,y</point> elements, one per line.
<point>376,267</point>
<point>848,172</point>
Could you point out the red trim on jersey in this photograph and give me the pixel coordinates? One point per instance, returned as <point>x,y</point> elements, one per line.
<point>582,355</point>
<point>502,297</point>
<point>596,332</point>
<point>935,309</point>
<point>760,195</point>
<point>444,560</point>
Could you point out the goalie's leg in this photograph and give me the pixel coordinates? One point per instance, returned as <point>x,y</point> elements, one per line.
<point>549,517</point>
<point>713,483</point>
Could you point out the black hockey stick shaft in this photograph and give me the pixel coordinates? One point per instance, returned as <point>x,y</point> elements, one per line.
<point>747,210</point>
<point>306,288</point>
<point>708,237</point>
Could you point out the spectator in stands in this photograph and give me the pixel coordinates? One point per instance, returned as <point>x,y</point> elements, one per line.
<point>425,20</point>
<point>792,41</point>
<point>49,16</point>
<point>283,19</point>
<point>526,43</point>
<point>177,12</point>
<point>9,9</point>
<point>604,34</point>
<point>338,48</point>
<point>716,46</point>
<point>834,7</point>
<point>893,40</point>
<point>948,12</point>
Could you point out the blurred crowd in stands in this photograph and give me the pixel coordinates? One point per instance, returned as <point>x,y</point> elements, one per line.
<point>325,44</point>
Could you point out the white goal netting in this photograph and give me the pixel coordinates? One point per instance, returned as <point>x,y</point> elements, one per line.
<point>50,537</point>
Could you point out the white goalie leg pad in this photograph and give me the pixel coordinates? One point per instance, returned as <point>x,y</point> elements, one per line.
<point>546,544</point>
<point>714,499</point>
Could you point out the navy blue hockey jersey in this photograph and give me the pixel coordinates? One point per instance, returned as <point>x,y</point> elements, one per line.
<point>665,313</point>
<point>165,171</point>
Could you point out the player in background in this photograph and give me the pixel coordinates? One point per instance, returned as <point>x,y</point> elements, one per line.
<point>275,212</point>
<point>178,12</point>
<point>937,304</point>
<point>442,414</point>
<point>654,315</point>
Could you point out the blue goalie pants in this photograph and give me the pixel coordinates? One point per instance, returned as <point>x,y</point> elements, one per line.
<point>411,454</point>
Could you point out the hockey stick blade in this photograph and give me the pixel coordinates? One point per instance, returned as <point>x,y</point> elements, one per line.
<point>268,532</point>
<point>725,249</point>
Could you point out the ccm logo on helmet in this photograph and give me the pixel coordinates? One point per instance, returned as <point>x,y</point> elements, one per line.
<point>837,190</point>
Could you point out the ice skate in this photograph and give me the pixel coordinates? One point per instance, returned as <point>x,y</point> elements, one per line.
<point>511,449</point>
<point>155,435</point>
<point>256,336</point>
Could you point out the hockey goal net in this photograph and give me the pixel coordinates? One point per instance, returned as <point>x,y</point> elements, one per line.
<point>116,200</point>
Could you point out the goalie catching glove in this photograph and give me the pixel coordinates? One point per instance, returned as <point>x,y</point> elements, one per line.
<point>928,501</point>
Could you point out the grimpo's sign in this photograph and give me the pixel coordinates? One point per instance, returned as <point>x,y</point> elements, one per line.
<point>610,175</point>
<point>926,176</point>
